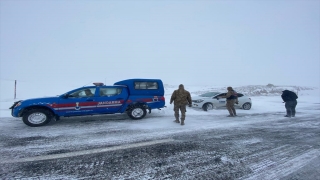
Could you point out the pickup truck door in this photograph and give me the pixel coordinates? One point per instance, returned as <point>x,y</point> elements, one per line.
<point>80,102</point>
<point>111,99</point>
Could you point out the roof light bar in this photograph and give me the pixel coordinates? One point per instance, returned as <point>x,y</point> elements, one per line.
<point>98,84</point>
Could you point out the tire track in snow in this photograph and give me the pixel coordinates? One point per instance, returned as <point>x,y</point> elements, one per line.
<point>276,170</point>
<point>85,152</point>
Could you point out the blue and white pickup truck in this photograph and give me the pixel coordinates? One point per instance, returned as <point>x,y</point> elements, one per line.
<point>133,96</point>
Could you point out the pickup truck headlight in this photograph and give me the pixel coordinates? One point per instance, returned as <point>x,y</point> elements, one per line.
<point>17,104</point>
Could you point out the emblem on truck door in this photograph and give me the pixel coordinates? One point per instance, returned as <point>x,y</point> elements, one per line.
<point>77,106</point>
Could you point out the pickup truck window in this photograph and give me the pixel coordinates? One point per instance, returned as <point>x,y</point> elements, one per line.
<point>110,91</point>
<point>145,85</point>
<point>83,93</point>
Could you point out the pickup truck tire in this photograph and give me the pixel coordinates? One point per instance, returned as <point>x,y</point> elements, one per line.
<point>137,112</point>
<point>37,117</point>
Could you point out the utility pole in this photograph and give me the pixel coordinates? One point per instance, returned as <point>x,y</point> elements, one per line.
<point>15,88</point>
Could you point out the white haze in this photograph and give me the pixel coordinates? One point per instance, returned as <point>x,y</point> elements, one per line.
<point>52,44</point>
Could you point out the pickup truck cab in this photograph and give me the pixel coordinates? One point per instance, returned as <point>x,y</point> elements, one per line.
<point>132,96</point>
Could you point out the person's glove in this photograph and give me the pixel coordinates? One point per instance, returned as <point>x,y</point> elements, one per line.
<point>237,102</point>
<point>190,105</point>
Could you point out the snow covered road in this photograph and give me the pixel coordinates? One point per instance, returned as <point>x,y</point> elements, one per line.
<point>251,146</point>
<point>258,144</point>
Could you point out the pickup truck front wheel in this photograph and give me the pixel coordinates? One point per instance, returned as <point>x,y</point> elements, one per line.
<point>36,117</point>
<point>137,112</point>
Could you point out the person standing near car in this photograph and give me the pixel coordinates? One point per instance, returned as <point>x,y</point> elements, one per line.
<point>181,99</point>
<point>231,97</point>
<point>290,100</point>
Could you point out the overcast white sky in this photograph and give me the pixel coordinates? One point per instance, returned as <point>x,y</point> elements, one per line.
<point>190,42</point>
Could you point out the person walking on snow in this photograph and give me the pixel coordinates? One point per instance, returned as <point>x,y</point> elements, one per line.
<point>181,99</point>
<point>290,99</point>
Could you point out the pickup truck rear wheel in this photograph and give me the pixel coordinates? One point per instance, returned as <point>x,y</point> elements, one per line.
<point>137,112</point>
<point>36,117</point>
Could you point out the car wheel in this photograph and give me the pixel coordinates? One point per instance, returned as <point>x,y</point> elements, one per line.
<point>37,117</point>
<point>246,106</point>
<point>137,112</point>
<point>207,106</point>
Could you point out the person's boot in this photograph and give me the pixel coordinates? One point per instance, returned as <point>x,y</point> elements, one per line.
<point>234,112</point>
<point>177,118</point>
<point>288,114</point>
<point>182,122</point>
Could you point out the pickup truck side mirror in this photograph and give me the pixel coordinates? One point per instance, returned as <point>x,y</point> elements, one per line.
<point>65,96</point>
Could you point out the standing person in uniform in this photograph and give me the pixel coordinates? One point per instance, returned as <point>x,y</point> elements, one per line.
<point>181,98</point>
<point>290,99</point>
<point>231,99</point>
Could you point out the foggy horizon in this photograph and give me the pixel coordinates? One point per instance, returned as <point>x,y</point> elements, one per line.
<point>232,43</point>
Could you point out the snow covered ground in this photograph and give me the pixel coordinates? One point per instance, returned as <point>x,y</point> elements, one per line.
<point>308,104</point>
<point>21,143</point>
<point>264,98</point>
